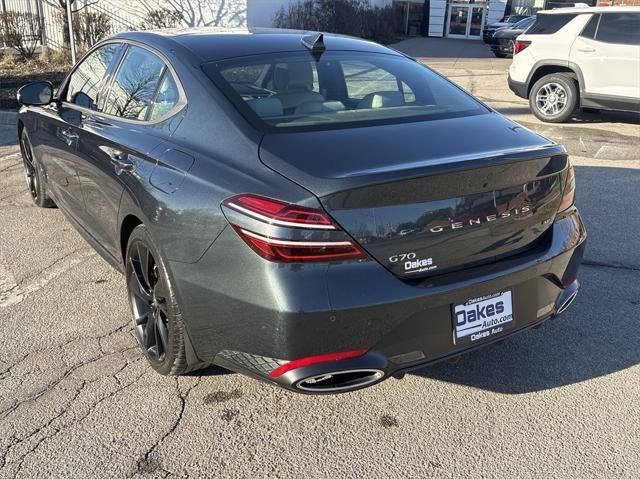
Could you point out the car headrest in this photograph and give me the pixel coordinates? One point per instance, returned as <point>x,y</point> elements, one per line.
<point>381,99</point>
<point>266,107</point>
<point>293,76</point>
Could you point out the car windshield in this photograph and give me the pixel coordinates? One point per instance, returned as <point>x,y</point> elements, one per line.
<point>337,89</point>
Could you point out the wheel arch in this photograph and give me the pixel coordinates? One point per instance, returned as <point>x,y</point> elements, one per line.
<point>129,223</point>
<point>542,69</point>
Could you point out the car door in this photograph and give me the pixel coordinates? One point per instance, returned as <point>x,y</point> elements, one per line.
<point>58,132</point>
<point>608,55</point>
<point>116,141</point>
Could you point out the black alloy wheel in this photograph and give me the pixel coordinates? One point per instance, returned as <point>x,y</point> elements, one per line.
<point>32,174</point>
<point>156,317</point>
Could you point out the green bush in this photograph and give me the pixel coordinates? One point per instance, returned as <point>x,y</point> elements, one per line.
<point>348,17</point>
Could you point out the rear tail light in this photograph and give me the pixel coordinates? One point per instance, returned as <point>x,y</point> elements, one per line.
<point>569,194</point>
<point>520,45</point>
<point>286,215</point>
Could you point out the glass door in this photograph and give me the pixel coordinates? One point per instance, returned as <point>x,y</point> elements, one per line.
<point>457,22</point>
<point>465,20</point>
<point>476,22</point>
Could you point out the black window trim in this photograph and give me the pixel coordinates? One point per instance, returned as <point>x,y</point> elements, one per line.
<point>595,32</point>
<point>111,75</point>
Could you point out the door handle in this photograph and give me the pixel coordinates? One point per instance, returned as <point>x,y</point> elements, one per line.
<point>69,136</point>
<point>121,161</point>
<point>586,50</point>
<point>118,158</point>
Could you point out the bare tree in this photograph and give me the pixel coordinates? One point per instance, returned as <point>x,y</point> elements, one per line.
<point>205,13</point>
<point>61,5</point>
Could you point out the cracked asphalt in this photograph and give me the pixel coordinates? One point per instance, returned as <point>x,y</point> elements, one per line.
<point>78,401</point>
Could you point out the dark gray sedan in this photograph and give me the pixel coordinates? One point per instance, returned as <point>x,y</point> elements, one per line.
<point>316,211</point>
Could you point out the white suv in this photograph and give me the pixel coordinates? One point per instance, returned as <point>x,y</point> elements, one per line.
<point>579,57</point>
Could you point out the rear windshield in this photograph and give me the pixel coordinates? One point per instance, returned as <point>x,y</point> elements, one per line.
<point>294,90</point>
<point>550,23</point>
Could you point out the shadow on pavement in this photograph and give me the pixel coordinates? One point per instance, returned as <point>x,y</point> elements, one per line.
<point>598,334</point>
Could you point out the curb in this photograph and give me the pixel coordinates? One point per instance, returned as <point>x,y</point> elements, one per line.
<point>8,117</point>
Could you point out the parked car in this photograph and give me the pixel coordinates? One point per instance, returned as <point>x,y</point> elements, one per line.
<point>504,38</point>
<point>300,208</point>
<point>579,58</point>
<point>489,30</point>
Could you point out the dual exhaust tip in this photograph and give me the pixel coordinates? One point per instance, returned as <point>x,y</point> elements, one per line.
<point>340,381</point>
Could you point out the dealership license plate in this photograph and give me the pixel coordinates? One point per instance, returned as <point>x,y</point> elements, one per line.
<point>481,318</point>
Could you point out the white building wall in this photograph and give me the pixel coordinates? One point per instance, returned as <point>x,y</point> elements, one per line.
<point>437,19</point>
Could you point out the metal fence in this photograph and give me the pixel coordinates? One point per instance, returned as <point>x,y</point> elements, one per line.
<point>125,15</point>
<point>54,26</point>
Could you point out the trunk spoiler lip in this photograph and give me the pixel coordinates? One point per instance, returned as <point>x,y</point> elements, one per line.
<point>444,166</point>
<point>469,161</point>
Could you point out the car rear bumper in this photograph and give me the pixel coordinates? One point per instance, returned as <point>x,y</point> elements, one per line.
<point>505,47</point>
<point>519,88</point>
<point>258,316</point>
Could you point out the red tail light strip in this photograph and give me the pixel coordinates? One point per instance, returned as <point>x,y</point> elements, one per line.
<point>321,358</point>
<point>300,251</point>
<point>296,244</point>
<point>281,214</point>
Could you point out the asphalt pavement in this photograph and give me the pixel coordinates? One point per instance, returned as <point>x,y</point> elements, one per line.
<point>78,401</point>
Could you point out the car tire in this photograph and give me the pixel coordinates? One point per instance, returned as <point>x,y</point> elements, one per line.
<point>500,54</point>
<point>553,98</point>
<point>33,174</point>
<point>157,319</point>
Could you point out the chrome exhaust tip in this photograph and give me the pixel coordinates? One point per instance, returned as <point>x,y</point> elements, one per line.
<point>563,307</point>
<point>337,381</point>
<point>567,297</point>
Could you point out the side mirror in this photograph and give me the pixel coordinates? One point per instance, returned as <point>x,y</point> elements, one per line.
<point>37,93</point>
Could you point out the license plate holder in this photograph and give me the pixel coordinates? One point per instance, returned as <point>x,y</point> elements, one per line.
<point>480,319</point>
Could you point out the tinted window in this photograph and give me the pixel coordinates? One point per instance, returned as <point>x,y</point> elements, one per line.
<point>547,24</point>
<point>589,30</point>
<point>86,80</point>
<point>134,88</point>
<point>166,98</point>
<point>524,24</point>
<point>340,88</point>
<point>619,28</point>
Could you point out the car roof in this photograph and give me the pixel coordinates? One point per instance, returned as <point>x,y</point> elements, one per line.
<point>213,43</point>
<point>627,9</point>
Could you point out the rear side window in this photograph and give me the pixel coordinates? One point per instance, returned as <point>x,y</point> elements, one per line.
<point>294,91</point>
<point>622,28</point>
<point>589,30</point>
<point>86,80</point>
<point>548,24</point>
<point>166,98</point>
<point>134,87</point>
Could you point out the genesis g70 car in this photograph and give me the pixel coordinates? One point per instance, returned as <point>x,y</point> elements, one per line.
<point>315,211</point>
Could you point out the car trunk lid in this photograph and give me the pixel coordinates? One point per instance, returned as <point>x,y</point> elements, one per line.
<point>430,197</point>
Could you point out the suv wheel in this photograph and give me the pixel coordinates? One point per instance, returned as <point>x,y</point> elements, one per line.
<point>553,98</point>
